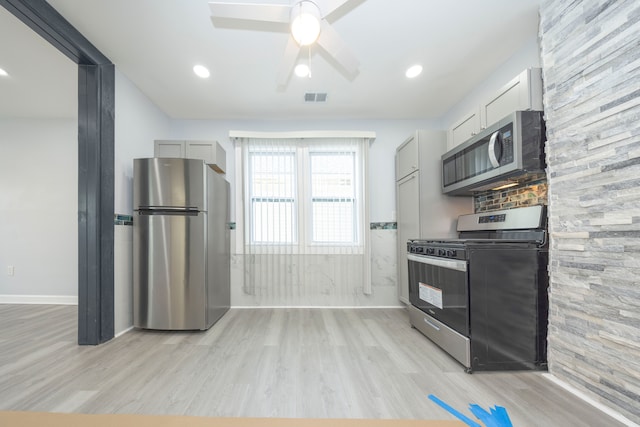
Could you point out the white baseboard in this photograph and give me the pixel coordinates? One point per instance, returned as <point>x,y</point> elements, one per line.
<point>613,414</point>
<point>123,332</point>
<point>39,299</point>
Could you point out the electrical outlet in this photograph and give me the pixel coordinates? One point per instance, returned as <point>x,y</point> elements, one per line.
<point>10,270</point>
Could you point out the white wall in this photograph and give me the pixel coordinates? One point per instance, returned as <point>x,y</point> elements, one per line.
<point>527,56</point>
<point>39,210</point>
<point>389,135</point>
<point>138,122</point>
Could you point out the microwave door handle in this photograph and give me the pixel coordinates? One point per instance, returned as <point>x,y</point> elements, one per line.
<point>495,161</point>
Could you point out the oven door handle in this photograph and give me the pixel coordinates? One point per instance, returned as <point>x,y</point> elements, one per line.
<point>439,262</point>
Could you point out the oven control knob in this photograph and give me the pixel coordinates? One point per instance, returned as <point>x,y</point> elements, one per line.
<point>442,252</point>
<point>451,253</point>
<point>430,251</point>
<point>419,249</point>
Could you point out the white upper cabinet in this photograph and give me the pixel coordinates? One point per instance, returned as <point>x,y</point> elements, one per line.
<point>524,92</point>
<point>210,151</point>
<point>407,158</point>
<point>468,126</point>
<point>174,149</point>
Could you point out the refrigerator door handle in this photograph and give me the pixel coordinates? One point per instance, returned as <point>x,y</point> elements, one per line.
<point>191,211</point>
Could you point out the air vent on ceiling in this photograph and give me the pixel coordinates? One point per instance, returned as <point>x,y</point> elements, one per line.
<point>315,97</point>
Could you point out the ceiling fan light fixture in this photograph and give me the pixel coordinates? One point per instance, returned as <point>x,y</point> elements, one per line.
<point>3,73</point>
<point>201,71</point>
<point>302,70</point>
<point>305,22</point>
<point>414,71</point>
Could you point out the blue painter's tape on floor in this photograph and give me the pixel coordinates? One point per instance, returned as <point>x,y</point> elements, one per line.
<point>455,413</point>
<point>496,417</point>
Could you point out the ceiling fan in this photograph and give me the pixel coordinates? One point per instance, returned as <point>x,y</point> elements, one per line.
<point>308,25</point>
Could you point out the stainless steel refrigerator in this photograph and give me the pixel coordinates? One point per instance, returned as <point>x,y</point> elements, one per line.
<point>181,262</point>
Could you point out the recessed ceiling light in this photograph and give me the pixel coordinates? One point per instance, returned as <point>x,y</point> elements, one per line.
<point>201,71</point>
<point>3,73</point>
<point>302,70</point>
<point>414,71</point>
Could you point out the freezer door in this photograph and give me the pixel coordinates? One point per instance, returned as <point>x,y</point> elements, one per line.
<point>169,183</point>
<point>169,271</point>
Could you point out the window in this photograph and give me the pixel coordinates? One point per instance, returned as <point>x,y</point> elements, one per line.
<point>333,197</point>
<point>304,194</point>
<point>302,212</point>
<point>272,189</point>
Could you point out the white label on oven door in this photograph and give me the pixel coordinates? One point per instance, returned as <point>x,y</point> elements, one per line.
<point>430,294</point>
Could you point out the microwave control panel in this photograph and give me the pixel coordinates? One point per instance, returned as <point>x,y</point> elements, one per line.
<point>507,144</point>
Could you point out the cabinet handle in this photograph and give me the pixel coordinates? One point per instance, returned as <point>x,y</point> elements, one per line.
<point>473,133</point>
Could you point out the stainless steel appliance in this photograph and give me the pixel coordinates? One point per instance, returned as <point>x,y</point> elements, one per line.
<point>181,266</point>
<point>483,297</point>
<point>506,151</point>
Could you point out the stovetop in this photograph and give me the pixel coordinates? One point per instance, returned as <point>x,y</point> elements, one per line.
<point>519,226</point>
<point>469,241</point>
<point>457,248</point>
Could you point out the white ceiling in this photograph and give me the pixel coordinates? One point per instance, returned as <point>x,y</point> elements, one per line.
<point>42,82</point>
<point>155,43</point>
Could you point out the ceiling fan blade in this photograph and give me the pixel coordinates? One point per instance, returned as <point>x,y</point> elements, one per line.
<point>288,62</point>
<point>252,12</point>
<point>331,5</point>
<point>331,41</point>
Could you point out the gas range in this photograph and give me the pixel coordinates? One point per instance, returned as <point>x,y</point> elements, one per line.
<point>482,296</point>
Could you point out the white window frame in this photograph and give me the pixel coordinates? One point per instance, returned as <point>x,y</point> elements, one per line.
<point>304,221</point>
<point>302,206</point>
<point>296,202</point>
<point>358,218</point>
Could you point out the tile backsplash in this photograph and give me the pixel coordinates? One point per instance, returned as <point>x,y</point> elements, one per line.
<point>122,219</point>
<point>531,192</point>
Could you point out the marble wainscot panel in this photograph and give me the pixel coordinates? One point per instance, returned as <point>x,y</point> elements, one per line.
<point>317,280</point>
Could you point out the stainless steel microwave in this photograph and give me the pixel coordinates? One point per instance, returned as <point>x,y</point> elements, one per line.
<point>503,153</point>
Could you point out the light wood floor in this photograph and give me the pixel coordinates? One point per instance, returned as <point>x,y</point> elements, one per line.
<point>299,363</point>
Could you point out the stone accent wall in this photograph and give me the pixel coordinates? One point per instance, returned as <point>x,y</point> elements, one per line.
<point>591,69</point>
<point>531,192</point>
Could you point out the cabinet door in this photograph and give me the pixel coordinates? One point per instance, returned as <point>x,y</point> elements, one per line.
<point>463,129</point>
<point>408,217</point>
<point>407,158</point>
<point>524,92</point>
<point>209,151</point>
<point>201,150</point>
<point>169,149</point>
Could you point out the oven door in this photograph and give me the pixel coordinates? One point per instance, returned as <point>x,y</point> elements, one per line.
<point>440,288</point>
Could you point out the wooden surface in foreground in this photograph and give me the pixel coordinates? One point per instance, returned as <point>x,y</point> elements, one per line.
<point>33,419</point>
